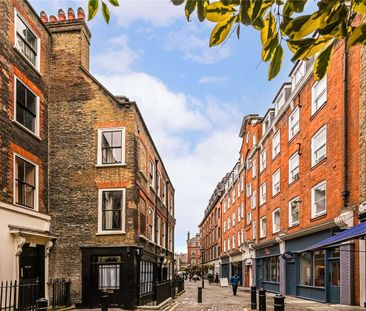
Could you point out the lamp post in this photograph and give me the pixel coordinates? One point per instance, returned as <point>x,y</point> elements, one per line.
<point>202,276</point>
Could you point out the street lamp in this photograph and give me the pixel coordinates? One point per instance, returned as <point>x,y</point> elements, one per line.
<point>202,276</point>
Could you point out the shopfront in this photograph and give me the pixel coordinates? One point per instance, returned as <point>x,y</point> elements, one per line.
<point>317,274</point>
<point>225,267</point>
<point>268,268</point>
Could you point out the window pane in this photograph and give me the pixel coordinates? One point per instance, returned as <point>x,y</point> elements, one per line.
<point>305,269</point>
<point>25,182</point>
<point>117,138</point>
<point>109,277</point>
<point>107,139</point>
<point>319,268</point>
<point>335,276</point>
<point>112,209</point>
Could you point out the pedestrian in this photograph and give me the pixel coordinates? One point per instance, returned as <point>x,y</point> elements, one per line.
<point>234,283</point>
<point>217,278</point>
<point>190,277</point>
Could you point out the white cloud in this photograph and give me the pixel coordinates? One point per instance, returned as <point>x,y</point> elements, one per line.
<point>194,44</point>
<point>212,79</point>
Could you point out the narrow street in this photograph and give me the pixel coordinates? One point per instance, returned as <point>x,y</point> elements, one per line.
<point>221,298</point>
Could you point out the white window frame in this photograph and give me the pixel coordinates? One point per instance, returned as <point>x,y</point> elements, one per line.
<point>293,172</point>
<point>242,183</point>
<point>313,203</point>
<point>158,186</point>
<point>276,184</point>
<point>36,176</point>
<point>262,229</point>
<point>315,106</point>
<point>152,174</point>
<point>315,149</point>
<point>228,223</point>
<point>123,213</point>
<point>228,201</point>
<point>123,144</point>
<point>38,56</point>
<point>37,121</point>
<point>224,246</point>
<point>254,199</point>
<point>249,218</point>
<point>233,220</point>
<point>294,123</point>
<point>276,144</point>
<point>262,193</point>
<point>224,226</point>
<point>239,214</point>
<point>249,190</point>
<point>298,74</point>
<point>254,230</point>
<point>291,203</point>
<point>158,231</point>
<point>233,241</point>
<point>254,168</point>
<point>233,194</point>
<point>228,244</point>
<point>262,160</point>
<point>239,238</point>
<point>224,205</point>
<point>276,229</point>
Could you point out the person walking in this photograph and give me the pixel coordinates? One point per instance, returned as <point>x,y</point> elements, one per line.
<point>234,283</point>
<point>217,278</point>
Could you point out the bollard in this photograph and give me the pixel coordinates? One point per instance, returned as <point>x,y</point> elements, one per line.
<point>41,304</point>
<point>253,297</point>
<point>199,300</point>
<point>104,301</point>
<point>262,299</point>
<point>279,303</point>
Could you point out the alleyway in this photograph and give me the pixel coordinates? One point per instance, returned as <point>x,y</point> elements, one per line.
<point>221,298</point>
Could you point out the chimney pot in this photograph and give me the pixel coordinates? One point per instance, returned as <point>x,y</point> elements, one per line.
<point>43,16</point>
<point>61,15</point>
<point>53,19</point>
<point>70,14</point>
<point>81,14</point>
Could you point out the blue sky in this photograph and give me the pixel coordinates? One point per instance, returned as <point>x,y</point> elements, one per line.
<point>193,97</point>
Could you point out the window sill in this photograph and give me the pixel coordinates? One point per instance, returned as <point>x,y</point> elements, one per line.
<point>21,126</point>
<point>293,182</point>
<point>276,156</point>
<point>152,189</point>
<point>143,175</point>
<point>34,68</point>
<point>315,113</point>
<point>111,165</point>
<point>110,232</point>
<point>293,137</point>
<point>276,194</point>
<point>294,225</point>
<point>319,216</point>
<point>34,209</point>
<point>314,166</point>
<point>262,204</point>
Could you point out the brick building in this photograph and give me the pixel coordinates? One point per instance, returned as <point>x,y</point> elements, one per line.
<point>193,250</point>
<point>25,237</point>
<point>297,183</point>
<point>181,262</point>
<point>74,153</point>
<point>210,230</point>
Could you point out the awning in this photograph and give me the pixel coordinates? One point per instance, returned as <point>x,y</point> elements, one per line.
<point>355,232</point>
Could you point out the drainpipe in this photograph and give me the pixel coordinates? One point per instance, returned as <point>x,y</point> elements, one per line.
<point>156,217</point>
<point>345,192</point>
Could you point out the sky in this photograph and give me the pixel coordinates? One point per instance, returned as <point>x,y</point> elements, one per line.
<point>192,97</point>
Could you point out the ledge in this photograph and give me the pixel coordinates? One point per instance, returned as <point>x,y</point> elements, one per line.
<point>165,303</point>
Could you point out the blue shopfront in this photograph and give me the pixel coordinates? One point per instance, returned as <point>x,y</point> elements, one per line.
<point>316,274</point>
<point>225,267</point>
<point>268,268</point>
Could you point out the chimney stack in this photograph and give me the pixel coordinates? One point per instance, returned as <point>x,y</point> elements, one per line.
<point>70,14</point>
<point>44,17</point>
<point>81,14</point>
<point>53,19</point>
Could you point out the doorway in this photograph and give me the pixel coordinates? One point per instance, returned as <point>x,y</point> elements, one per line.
<point>334,279</point>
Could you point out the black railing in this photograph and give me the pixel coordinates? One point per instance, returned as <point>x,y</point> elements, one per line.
<point>180,285</point>
<point>59,290</point>
<point>163,291</point>
<point>20,296</point>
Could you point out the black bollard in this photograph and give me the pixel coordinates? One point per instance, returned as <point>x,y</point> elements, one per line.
<point>262,299</point>
<point>42,304</point>
<point>104,301</point>
<point>253,297</point>
<point>199,300</point>
<point>279,303</point>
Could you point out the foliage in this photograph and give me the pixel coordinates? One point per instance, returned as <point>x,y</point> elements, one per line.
<point>93,6</point>
<point>279,22</point>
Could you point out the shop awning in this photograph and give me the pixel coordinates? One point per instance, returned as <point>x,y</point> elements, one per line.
<point>355,232</point>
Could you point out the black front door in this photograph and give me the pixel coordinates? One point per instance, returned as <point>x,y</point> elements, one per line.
<point>31,267</point>
<point>106,279</point>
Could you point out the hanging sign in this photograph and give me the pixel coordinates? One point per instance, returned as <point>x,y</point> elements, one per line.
<point>288,256</point>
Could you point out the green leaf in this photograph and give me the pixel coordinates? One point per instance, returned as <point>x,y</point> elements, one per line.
<point>360,6</point>
<point>309,47</point>
<point>201,10</point>
<point>218,12</point>
<point>190,6</point>
<point>245,7</point>
<point>105,12</point>
<point>358,36</point>
<point>114,2</point>
<point>323,62</point>
<point>268,51</point>
<point>92,8</point>
<point>221,31</point>
<point>177,2</point>
<point>276,63</point>
<point>269,30</point>
<point>302,26</point>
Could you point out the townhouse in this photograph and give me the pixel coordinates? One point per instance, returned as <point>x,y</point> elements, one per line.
<point>85,194</point>
<point>193,250</point>
<point>299,170</point>
<point>210,230</point>
<point>25,237</point>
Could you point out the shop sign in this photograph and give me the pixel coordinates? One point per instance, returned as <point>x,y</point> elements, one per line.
<point>288,256</point>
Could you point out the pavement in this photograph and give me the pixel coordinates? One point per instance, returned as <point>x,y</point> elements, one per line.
<point>216,298</point>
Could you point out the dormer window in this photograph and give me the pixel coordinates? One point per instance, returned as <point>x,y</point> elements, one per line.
<point>298,73</point>
<point>280,102</point>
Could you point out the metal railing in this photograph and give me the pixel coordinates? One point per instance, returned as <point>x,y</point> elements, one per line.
<point>19,296</point>
<point>60,295</point>
<point>180,285</point>
<point>163,291</point>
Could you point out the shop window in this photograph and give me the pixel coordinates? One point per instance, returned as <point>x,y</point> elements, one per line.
<point>312,268</point>
<point>109,272</point>
<point>272,269</point>
<point>146,277</point>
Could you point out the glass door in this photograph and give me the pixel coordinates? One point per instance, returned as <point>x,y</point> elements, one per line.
<point>334,279</point>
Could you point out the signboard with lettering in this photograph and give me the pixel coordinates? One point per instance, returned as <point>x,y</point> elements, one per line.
<point>288,256</point>
<point>224,282</point>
